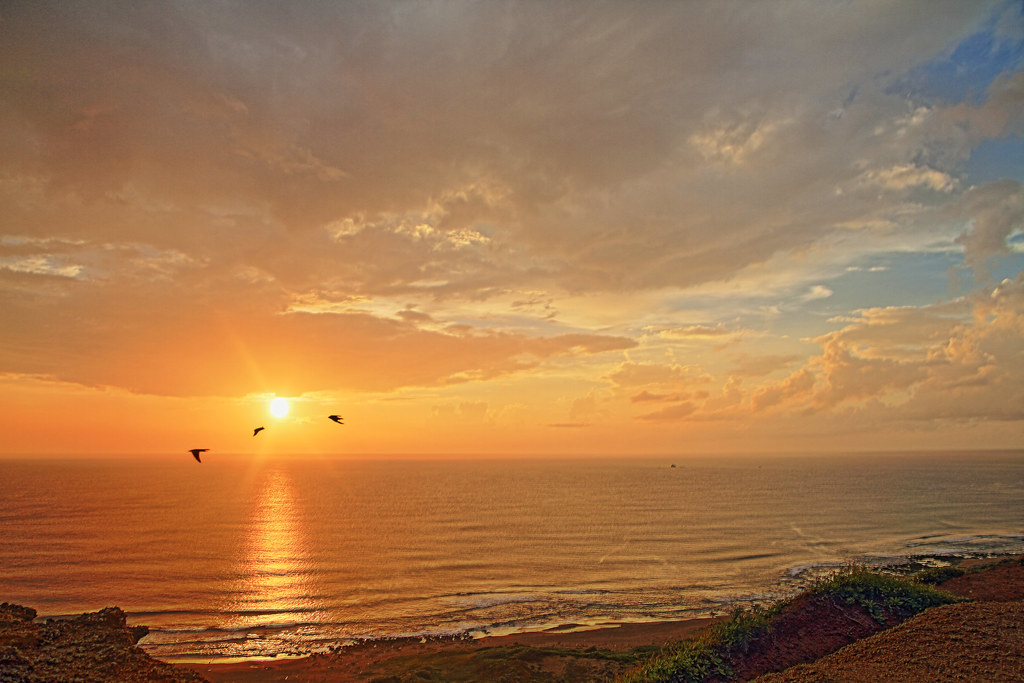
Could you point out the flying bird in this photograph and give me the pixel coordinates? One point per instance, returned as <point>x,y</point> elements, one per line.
<point>196,451</point>
<point>336,418</point>
<point>257,430</point>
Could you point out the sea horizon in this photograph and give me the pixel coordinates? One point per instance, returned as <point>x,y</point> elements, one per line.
<point>676,457</point>
<point>288,556</point>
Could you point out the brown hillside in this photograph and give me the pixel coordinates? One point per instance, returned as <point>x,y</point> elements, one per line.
<point>983,640</point>
<point>965,642</point>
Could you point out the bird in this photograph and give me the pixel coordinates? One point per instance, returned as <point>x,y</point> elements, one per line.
<point>257,430</point>
<point>196,451</point>
<point>336,418</point>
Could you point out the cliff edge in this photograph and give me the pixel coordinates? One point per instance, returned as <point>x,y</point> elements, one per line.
<point>97,646</point>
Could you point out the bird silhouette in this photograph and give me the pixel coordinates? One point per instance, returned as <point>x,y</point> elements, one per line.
<point>257,430</point>
<point>196,451</point>
<point>336,418</point>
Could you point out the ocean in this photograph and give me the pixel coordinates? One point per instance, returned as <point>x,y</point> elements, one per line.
<point>279,556</point>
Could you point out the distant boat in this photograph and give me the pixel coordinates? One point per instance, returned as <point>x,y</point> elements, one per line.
<point>673,464</point>
<point>196,451</point>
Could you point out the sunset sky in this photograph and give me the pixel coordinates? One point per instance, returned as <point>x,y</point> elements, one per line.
<point>497,227</point>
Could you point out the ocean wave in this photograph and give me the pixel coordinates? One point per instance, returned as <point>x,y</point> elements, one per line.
<point>747,598</point>
<point>292,609</point>
<point>487,600</point>
<point>744,558</point>
<point>251,628</point>
<point>972,542</point>
<point>813,568</point>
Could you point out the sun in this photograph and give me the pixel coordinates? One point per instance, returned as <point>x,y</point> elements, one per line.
<point>279,407</point>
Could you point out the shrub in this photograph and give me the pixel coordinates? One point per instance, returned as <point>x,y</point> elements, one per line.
<point>937,575</point>
<point>710,651</point>
<point>693,660</point>
<point>874,592</point>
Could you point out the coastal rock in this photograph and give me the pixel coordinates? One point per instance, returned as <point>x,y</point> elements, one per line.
<point>15,613</point>
<point>97,646</point>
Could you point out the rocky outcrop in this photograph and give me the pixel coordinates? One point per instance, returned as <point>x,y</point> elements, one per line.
<point>98,646</point>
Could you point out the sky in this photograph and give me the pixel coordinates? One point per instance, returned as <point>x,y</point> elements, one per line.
<point>511,227</point>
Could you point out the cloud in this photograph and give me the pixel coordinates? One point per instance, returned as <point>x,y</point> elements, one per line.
<point>40,265</point>
<point>646,396</point>
<point>796,385</point>
<point>237,197</point>
<point>469,411</point>
<point>1000,115</point>
<point>631,374</point>
<point>908,176</point>
<point>848,375</point>
<point>555,128</point>
<point>173,341</point>
<point>996,211</point>
<point>817,292</point>
<point>410,315</point>
<point>695,331</point>
<point>959,360</point>
<point>678,411</point>
<point>929,362</point>
<point>761,365</point>
<point>585,408</point>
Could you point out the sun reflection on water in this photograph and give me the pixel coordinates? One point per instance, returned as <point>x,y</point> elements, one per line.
<point>274,581</point>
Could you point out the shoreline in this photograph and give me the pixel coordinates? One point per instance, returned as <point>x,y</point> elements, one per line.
<point>974,628</point>
<point>360,661</point>
<point>800,578</point>
<point>994,584</point>
<point>348,663</point>
<point>568,635</point>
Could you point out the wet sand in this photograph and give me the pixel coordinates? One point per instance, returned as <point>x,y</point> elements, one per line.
<point>358,662</point>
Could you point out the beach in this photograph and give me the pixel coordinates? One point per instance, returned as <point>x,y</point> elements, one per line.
<point>984,637</point>
<point>511,341</point>
<point>977,633</point>
<point>366,662</point>
<point>291,557</point>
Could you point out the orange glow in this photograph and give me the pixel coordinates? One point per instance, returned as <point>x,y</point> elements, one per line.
<point>279,407</point>
<point>667,256</point>
<point>275,571</point>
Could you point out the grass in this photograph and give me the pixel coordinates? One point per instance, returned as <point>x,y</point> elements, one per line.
<point>881,593</point>
<point>936,575</point>
<point>710,652</point>
<point>705,653</point>
<point>513,663</point>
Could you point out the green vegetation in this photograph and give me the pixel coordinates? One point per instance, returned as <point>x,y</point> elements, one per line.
<point>516,663</point>
<point>712,650</point>
<point>936,575</point>
<point>692,660</point>
<point>706,653</point>
<point>881,593</point>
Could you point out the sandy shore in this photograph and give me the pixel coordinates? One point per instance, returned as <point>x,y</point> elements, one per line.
<point>574,655</point>
<point>362,662</point>
<point>819,636</point>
